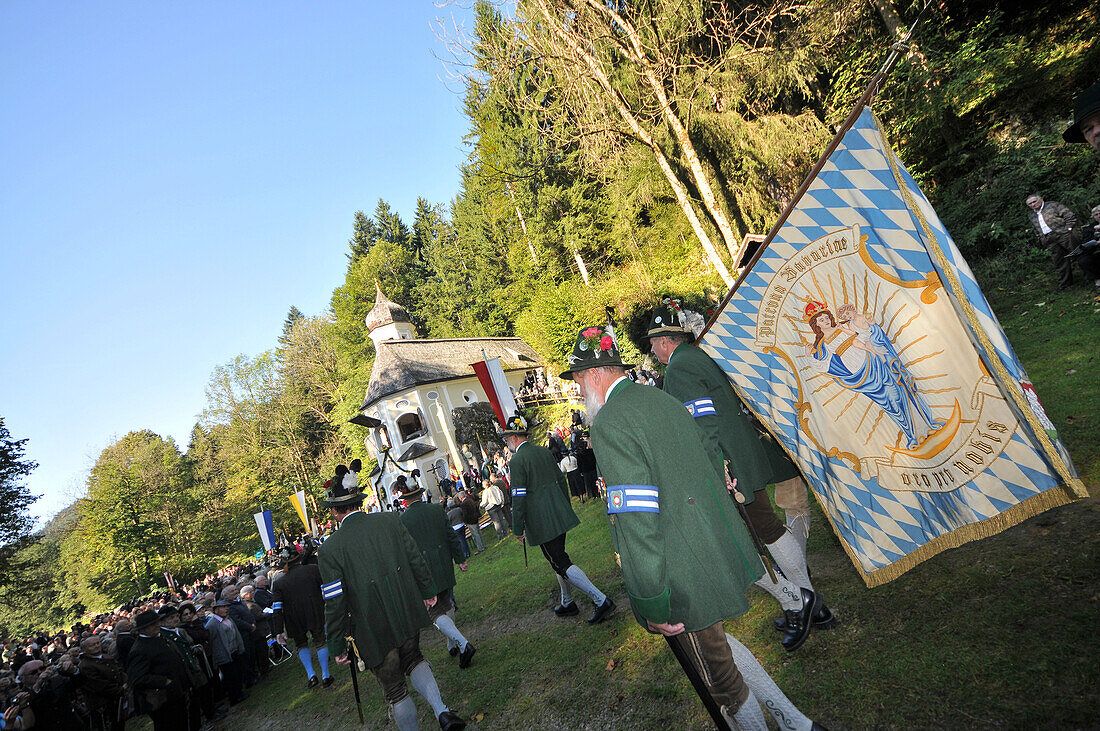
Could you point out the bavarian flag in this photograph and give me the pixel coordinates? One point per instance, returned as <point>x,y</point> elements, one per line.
<point>861,339</point>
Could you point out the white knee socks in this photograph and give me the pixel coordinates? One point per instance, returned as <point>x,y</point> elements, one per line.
<point>566,592</point>
<point>785,592</point>
<point>749,717</point>
<point>579,579</point>
<point>799,525</point>
<point>422,679</point>
<point>404,714</point>
<point>765,690</point>
<point>446,625</point>
<point>791,559</point>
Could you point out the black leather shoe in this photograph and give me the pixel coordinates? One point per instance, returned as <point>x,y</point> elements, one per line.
<point>800,621</point>
<point>451,721</point>
<point>313,682</point>
<point>567,610</point>
<point>602,611</point>
<point>453,651</point>
<point>823,619</point>
<point>467,655</point>
<point>327,682</point>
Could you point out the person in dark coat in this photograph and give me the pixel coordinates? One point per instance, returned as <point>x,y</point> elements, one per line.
<point>458,523</point>
<point>260,635</point>
<point>195,627</point>
<point>123,640</point>
<point>158,676</point>
<point>471,514</point>
<point>263,595</point>
<point>377,591</point>
<point>299,611</point>
<point>441,549</point>
<point>686,560</point>
<point>542,515</point>
<point>1056,226</point>
<point>181,642</point>
<point>737,452</point>
<point>102,682</point>
<point>586,463</point>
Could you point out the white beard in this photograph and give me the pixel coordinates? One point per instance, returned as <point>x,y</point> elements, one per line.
<point>592,406</point>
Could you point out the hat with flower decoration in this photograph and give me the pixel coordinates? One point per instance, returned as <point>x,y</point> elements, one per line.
<point>342,493</point>
<point>408,494</point>
<point>666,319</point>
<point>516,424</point>
<point>595,348</point>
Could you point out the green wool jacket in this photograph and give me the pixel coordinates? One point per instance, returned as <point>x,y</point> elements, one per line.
<point>375,578</point>
<point>686,555</point>
<point>697,382</point>
<point>439,544</point>
<point>540,495</point>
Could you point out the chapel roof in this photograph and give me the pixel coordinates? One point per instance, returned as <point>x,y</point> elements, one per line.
<point>404,364</point>
<point>385,311</point>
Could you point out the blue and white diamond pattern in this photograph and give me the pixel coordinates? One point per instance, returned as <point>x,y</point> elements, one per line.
<point>856,186</point>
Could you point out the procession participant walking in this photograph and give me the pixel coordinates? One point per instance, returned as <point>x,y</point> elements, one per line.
<point>541,516</point>
<point>377,591</point>
<point>471,514</point>
<point>732,443</point>
<point>458,523</point>
<point>441,550</point>
<point>492,501</point>
<point>299,611</point>
<point>686,558</point>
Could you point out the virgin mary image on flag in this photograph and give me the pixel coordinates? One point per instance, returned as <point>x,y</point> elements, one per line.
<point>881,386</point>
<point>861,340</point>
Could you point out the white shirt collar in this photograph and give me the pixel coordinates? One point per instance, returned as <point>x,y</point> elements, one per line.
<point>612,386</point>
<point>349,515</point>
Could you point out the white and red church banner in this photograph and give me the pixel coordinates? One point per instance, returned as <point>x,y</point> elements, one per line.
<point>862,341</point>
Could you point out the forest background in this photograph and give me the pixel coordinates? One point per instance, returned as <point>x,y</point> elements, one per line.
<point>617,152</point>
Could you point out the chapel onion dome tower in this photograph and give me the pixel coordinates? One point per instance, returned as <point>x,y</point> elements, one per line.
<point>388,320</point>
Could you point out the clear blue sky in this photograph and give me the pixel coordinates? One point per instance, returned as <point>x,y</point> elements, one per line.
<point>175,177</point>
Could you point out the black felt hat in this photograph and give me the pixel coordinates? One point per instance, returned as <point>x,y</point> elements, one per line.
<point>342,493</point>
<point>412,494</point>
<point>1086,104</point>
<point>516,425</point>
<point>594,348</point>
<point>145,619</point>
<point>665,320</point>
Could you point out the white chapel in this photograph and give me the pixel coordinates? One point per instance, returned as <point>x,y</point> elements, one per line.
<point>414,385</point>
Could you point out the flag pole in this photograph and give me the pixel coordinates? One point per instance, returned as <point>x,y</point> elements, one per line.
<point>896,49</point>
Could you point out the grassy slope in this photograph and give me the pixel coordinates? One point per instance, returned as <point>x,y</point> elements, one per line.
<point>998,633</point>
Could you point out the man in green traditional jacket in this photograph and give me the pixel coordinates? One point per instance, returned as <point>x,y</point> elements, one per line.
<point>441,549</point>
<point>541,516</point>
<point>732,442</point>
<point>377,591</point>
<point>687,559</point>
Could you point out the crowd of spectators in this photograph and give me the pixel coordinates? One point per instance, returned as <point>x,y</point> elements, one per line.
<point>537,390</point>
<point>184,657</point>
